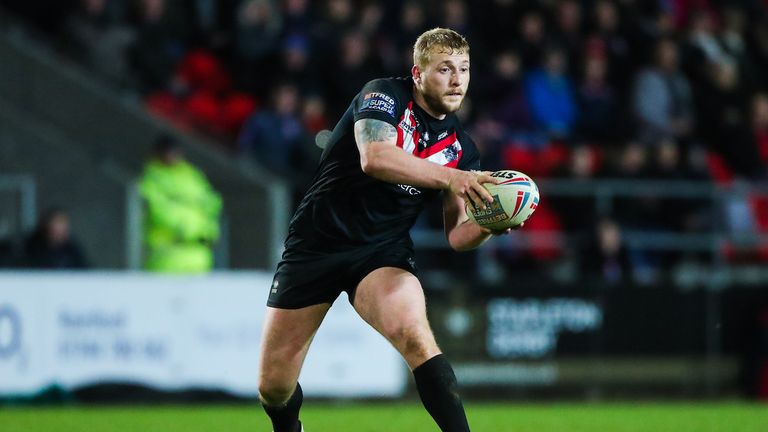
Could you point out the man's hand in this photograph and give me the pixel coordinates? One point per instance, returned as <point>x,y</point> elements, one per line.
<point>468,185</point>
<point>504,231</point>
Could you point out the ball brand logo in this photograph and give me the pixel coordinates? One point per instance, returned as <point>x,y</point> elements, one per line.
<point>10,331</point>
<point>492,213</point>
<point>505,174</point>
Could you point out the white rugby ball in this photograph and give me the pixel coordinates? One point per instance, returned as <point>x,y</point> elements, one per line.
<point>515,199</point>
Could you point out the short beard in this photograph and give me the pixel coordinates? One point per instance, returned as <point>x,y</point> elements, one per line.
<point>437,105</point>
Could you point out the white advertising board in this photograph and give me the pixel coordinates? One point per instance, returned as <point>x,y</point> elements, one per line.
<point>172,333</point>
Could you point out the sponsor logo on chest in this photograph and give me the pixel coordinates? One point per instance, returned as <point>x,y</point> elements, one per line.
<point>406,126</point>
<point>410,190</point>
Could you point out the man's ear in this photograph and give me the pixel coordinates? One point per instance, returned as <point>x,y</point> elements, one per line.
<point>416,74</point>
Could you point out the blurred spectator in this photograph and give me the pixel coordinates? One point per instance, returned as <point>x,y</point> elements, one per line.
<point>654,22</point>
<point>612,40</point>
<point>532,41</point>
<point>733,38</point>
<point>578,213</point>
<point>568,31</point>
<point>337,20</point>
<point>702,37</point>
<point>724,120</point>
<point>632,164</point>
<point>676,214</point>
<point>159,46</point>
<point>275,136</point>
<point>703,46</point>
<point>296,17</point>
<point>353,68</point>
<point>259,27</point>
<point>606,258</point>
<point>51,245</point>
<point>551,95</point>
<point>412,23</point>
<point>313,115</point>
<point>182,212</point>
<point>209,22</point>
<point>668,164</point>
<point>662,97</point>
<point>504,93</point>
<point>455,17</point>
<point>99,42</point>
<point>371,17</point>
<point>598,108</point>
<point>295,65</point>
<point>508,114</point>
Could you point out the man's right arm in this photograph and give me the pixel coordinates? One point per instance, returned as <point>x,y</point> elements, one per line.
<point>382,159</point>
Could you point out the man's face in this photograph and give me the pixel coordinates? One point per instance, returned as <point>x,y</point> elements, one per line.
<point>58,229</point>
<point>444,81</point>
<point>171,156</point>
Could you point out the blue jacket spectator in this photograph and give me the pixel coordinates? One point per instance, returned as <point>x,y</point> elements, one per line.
<point>550,93</point>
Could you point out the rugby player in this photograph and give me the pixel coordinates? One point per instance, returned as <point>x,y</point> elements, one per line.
<point>398,145</point>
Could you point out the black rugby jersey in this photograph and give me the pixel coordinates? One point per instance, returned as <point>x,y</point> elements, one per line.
<point>344,207</point>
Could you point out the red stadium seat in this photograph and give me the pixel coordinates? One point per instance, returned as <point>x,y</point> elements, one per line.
<point>545,222</point>
<point>718,169</point>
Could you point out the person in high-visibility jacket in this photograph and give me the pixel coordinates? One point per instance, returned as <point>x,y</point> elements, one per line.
<point>181,221</point>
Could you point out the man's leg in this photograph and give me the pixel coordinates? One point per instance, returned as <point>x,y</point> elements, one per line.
<point>285,341</point>
<point>392,301</point>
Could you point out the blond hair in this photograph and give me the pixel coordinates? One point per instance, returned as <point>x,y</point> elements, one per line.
<point>438,40</point>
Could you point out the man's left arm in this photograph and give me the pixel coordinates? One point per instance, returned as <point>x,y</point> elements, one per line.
<point>461,232</point>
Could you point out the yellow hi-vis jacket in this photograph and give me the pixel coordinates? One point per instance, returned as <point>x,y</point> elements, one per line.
<point>181,222</point>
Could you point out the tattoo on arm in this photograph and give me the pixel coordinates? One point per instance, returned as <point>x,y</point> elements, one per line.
<point>370,130</point>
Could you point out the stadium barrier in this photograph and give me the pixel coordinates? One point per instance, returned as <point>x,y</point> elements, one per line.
<point>538,339</point>
<point>75,330</point>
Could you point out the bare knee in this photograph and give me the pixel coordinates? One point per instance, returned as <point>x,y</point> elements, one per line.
<point>277,379</point>
<point>413,340</point>
<point>274,391</point>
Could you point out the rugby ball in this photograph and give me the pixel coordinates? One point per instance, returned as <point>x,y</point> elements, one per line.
<point>515,199</point>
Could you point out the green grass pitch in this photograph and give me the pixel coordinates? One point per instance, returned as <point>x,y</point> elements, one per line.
<point>384,417</point>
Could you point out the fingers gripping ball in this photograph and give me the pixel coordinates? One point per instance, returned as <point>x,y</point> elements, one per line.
<point>515,198</point>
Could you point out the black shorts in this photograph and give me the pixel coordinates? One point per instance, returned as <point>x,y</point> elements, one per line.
<point>309,278</point>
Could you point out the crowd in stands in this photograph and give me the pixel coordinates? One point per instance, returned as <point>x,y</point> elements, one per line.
<point>569,89</point>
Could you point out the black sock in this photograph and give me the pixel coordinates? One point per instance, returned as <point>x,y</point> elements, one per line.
<point>439,393</point>
<point>285,418</point>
